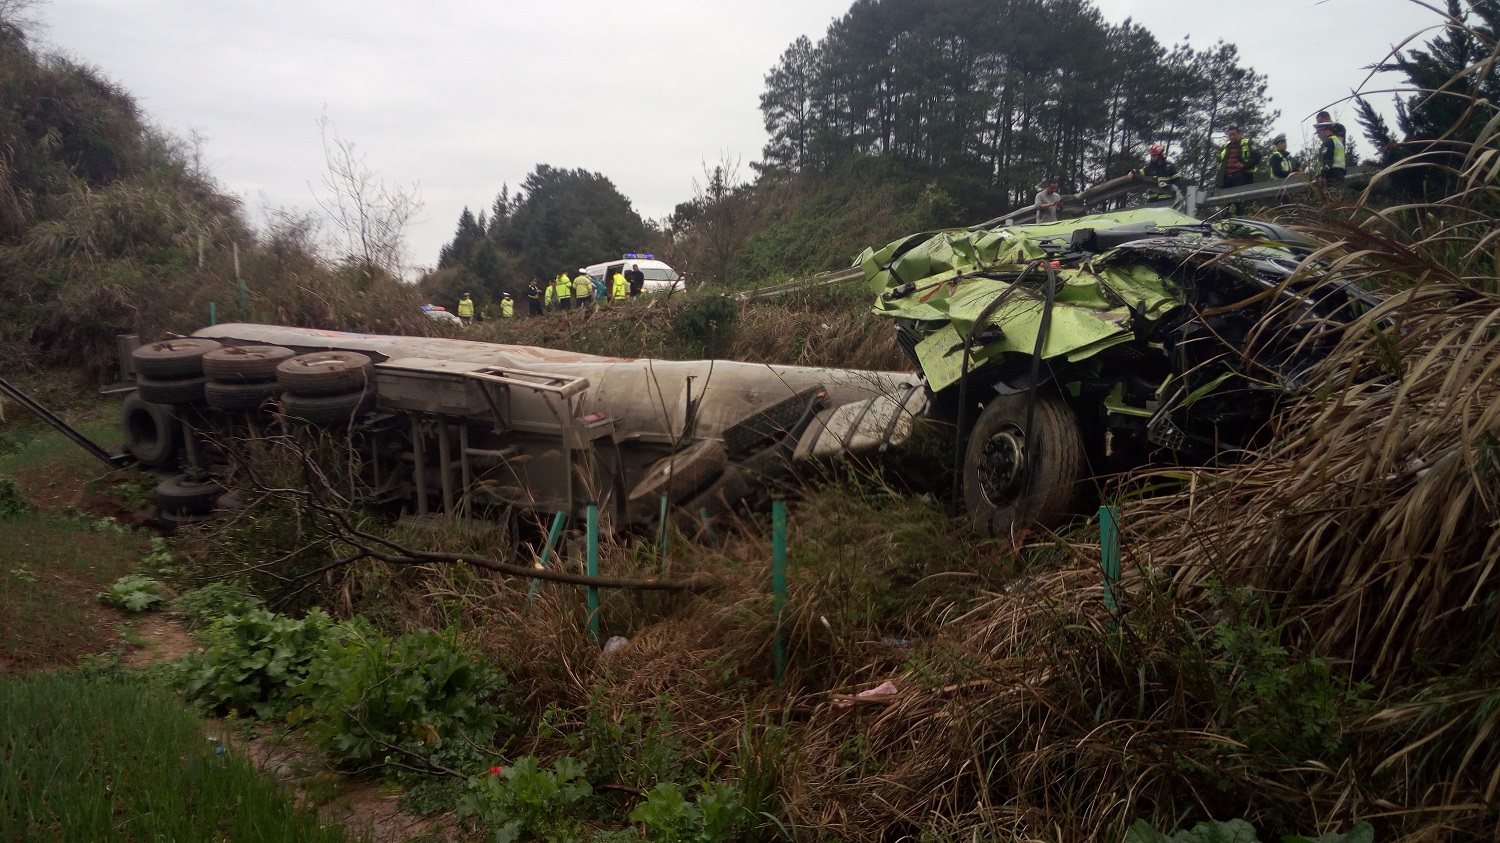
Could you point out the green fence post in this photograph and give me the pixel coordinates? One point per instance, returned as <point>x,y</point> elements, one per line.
<point>663,519</point>
<point>213,313</point>
<point>778,579</point>
<point>1109,555</point>
<point>593,569</point>
<point>552,537</point>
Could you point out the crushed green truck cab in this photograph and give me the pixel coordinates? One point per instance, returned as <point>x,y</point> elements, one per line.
<point>1067,350</point>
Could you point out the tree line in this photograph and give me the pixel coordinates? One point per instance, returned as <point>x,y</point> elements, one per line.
<point>1002,93</point>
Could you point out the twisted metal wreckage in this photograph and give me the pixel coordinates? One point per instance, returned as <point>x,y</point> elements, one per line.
<point>1049,353</point>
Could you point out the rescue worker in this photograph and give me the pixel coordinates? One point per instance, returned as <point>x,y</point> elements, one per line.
<point>1283,165</point>
<point>1238,160</point>
<point>1331,156</point>
<point>560,293</point>
<point>466,309</point>
<point>1160,171</point>
<point>636,279</point>
<point>619,287</point>
<point>507,306</point>
<point>583,289</point>
<point>534,297</point>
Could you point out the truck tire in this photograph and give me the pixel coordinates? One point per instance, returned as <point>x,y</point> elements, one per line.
<point>1002,493</point>
<point>239,396</point>
<point>344,409</point>
<point>181,391</point>
<point>325,373</point>
<point>151,433</point>
<point>172,359</point>
<point>182,495</point>
<point>682,473</point>
<point>245,363</point>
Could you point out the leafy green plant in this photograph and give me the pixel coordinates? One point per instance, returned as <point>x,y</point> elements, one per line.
<point>523,799</point>
<point>253,659</point>
<point>202,606</point>
<point>160,560</point>
<point>1239,831</point>
<point>134,593</point>
<point>420,699</point>
<point>624,748</point>
<point>1276,700</point>
<point>715,815</point>
<point>12,498</point>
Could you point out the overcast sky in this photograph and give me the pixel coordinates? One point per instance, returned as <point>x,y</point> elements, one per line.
<point>458,98</point>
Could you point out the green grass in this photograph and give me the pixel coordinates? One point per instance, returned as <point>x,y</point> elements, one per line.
<point>88,758</point>
<point>51,569</point>
<point>54,560</point>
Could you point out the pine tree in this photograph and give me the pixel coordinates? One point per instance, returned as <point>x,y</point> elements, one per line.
<point>1456,84</point>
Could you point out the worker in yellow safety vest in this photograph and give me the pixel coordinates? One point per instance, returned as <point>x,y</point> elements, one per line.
<point>583,289</point>
<point>507,306</point>
<point>466,309</point>
<point>560,293</point>
<point>619,289</point>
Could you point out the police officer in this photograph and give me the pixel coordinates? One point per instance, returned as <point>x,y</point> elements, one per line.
<point>534,297</point>
<point>619,287</point>
<point>507,306</point>
<point>1331,156</point>
<point>466,309</point>
<point>1283,165</point>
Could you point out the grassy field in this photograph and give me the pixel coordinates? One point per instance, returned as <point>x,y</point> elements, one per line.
<point>68,544</point>
<point>93,758</point>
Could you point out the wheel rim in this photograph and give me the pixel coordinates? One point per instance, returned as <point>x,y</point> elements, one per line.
<point>1002,466</point>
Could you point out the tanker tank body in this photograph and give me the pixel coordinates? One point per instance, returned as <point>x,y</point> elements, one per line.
<point>477,428</point>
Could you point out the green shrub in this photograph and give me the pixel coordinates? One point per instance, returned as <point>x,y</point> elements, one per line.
<point>253,659</point>
<point>1239,831</point>
<point>12,498</point>
<point>419,697</point>
<point>715,815</point>
<point>134,593</point>
<point>202,606</point>
<point>625,748</point>
<point>524,800</point>
<point>707,324</point>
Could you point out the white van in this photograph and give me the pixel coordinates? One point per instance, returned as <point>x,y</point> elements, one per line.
<point>659,277</point>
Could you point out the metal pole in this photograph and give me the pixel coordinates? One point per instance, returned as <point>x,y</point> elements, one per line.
<point>213,313</point>
<point>552,537</point>
<point>778,579</point>
<point>593,569</point>
<point>1109,550</point>
<point>244,292</point>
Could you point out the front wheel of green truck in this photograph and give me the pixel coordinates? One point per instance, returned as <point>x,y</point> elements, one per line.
<point>1016,478</point>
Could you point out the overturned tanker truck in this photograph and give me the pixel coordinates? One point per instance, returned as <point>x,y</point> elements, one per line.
<point>1051,354</point>
<point>483,429</point>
